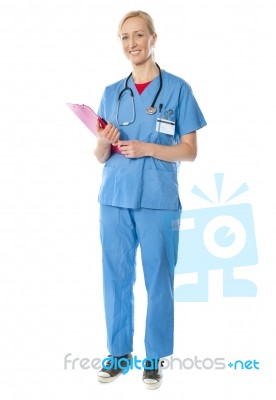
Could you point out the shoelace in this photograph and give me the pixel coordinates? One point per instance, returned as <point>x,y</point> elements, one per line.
<point>152,373</point>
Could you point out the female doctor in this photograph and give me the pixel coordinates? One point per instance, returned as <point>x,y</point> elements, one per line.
<point>153,118</point>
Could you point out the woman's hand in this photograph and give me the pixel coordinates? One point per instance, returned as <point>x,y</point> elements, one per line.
<point>133,148</point>
<point>109,135</point>
<point>186,150</point>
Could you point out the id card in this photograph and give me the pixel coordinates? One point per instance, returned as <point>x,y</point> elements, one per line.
<point>165,126</point>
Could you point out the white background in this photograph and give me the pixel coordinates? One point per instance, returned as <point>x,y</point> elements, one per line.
<point>57,51</point>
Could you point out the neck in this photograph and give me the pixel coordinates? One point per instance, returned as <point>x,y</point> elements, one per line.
<point>145,73</point>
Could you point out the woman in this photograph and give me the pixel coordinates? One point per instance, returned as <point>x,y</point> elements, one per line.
<point>153,122</point>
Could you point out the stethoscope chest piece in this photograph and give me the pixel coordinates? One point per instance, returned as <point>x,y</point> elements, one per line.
<point>151,110</point>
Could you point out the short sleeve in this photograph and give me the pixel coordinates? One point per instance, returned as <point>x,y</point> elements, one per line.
<point>102,106</point>
<point>190,117</point>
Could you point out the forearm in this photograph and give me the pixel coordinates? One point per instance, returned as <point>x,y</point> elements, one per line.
<point>178,152</point>
<point>186,150</point>
<point>102,150</point>
<point>107,136</point>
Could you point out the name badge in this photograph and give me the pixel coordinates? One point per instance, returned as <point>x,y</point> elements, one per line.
<point>165,126</point>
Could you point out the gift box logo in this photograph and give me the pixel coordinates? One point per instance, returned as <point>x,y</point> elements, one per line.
<point>218,237</point>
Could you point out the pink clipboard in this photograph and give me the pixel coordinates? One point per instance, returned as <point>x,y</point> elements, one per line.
<point>90,119</point>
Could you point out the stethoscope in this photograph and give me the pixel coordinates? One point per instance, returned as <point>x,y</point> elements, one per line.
<point>150,110</point>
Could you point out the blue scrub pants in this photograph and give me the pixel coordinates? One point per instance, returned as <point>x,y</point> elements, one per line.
<point>122,230</point>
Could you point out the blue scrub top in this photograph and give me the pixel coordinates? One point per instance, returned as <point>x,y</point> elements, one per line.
<point>147,182</point>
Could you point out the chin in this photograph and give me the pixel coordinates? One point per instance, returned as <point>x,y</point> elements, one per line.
<point>137,62</point>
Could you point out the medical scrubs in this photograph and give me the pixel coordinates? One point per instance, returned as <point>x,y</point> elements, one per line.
<point>139,205</point>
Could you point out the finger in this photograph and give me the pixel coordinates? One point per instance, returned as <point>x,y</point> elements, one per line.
<point>116,137</point>
<point>99,129</point>
<point>107,131</point>
<point>123,142</point>
<point>127,152</point>
<point>129,155</point>
<point>113,135</point>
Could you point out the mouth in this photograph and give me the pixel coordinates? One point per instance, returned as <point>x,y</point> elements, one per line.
<point>134,52</point>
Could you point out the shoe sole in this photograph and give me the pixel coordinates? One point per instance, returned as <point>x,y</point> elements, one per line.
<point>108,379</point>
<point>152,386</point>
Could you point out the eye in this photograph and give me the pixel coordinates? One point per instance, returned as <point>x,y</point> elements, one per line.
<point>139,35</point>
<point>123,37</point>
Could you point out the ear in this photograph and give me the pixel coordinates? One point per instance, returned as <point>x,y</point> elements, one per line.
<point>154,39</point>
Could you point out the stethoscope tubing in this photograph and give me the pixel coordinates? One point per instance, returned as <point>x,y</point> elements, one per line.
<point>150,110</point>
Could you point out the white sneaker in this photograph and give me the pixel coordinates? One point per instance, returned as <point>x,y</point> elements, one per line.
<point>152,378</point>
<point>109,374</point>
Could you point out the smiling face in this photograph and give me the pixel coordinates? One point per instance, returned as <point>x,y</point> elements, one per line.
<point>137,41</point>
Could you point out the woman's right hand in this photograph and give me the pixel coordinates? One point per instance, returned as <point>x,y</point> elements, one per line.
<point>109,134</point>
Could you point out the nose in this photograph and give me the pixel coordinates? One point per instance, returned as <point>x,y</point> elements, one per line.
<point>132,42</point>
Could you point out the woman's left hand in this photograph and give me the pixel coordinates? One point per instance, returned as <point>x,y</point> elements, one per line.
<point>133,148</point>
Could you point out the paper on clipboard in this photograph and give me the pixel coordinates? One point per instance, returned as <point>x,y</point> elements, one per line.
<point>90,119</point>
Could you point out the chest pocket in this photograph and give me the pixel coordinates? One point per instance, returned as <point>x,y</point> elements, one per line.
<point>165,126</point>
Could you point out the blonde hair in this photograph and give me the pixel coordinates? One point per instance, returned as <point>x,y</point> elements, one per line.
<point>142,14</point>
